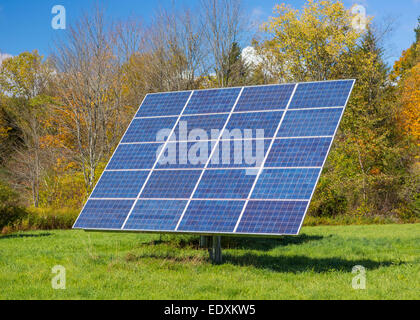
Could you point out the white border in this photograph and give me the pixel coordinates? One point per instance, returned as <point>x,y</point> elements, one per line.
<point>212,168</point>
<point>257,85</point>
<point>204,199</point>
<point>235,139</point>
<point>239,112</point>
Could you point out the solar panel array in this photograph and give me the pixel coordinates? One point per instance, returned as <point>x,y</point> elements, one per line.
<point>146,187</point>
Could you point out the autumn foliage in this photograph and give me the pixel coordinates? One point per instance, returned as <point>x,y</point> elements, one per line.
<point>62,116</point>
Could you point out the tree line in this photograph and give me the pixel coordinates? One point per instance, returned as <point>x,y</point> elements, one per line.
<point>62,116</point>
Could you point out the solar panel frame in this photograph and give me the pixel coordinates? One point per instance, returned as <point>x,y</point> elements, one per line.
<point>261,168</point>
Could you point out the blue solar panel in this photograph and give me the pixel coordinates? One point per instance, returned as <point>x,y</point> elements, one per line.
<point>119,184</point>
<point>272,217</point>
<point>253,121</point>
<point>285,184</point>
<point>149,129</point>
<point>321,94</point>
<point>211,216</point>
<point>239,153</point>
<point>306,152</point>
<point>181,155</point>
<point>306,123</point>
<point>199,127</point>
<point>272,97</point>
<point>212,101</point>
<point>171,184</point>
<point>155,215</point>
<point>134,156</point>
<point>224,184</point>
<point>163,104</point>
<point>244,188</point>
<point>104,214</point>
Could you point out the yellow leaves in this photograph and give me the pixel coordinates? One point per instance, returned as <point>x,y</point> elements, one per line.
<point>410,98</point>
<point>310,41</point>
<point>4,132</point>
<point>63,164</point>
<point>19,75</point>
<point>408,59</point>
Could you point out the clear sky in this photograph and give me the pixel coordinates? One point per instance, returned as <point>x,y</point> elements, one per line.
<point>26,25</point>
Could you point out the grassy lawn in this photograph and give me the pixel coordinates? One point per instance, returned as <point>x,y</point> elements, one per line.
<point>315,265</point>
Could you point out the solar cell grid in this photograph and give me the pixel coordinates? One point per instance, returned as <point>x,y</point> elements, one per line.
<point>321,94</point>
<point>180,155</point>
<point>224,184</point>
<point>239,153</point>
<point>199,127</point>
<point>155,214</point>
<point>119,184</point>
<point>306,123</point>
<point>212,101</point>
<point>285,184</point>
<point>305,152</point>
<point>147,130</point>
<point>163,104</point>
<point>273,97</point>
<point>103,214</point>
<point>211,216</point>
<point>171,184</point>
<point>134,156</point>
<point>278,217</point>
<point>243,189</point>
<point>248,124</point>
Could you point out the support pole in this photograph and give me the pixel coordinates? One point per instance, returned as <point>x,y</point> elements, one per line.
<point>215,250</point>
<point>204,241</point>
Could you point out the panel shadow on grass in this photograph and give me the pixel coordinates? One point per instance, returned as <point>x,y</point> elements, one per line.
<point>26,235</point>
<point>234,242</point>
<point>266,244</point>
<point>297,264</point>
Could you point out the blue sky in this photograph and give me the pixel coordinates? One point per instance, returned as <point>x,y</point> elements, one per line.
<point>26,25</point>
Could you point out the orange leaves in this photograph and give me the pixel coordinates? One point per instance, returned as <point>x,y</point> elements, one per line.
<point>375,171</point>
<point>406,62</point>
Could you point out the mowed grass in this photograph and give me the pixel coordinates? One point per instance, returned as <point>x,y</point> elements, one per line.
<point>315,265</point>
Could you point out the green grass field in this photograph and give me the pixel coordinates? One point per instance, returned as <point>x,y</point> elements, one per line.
<point>315,265</point>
